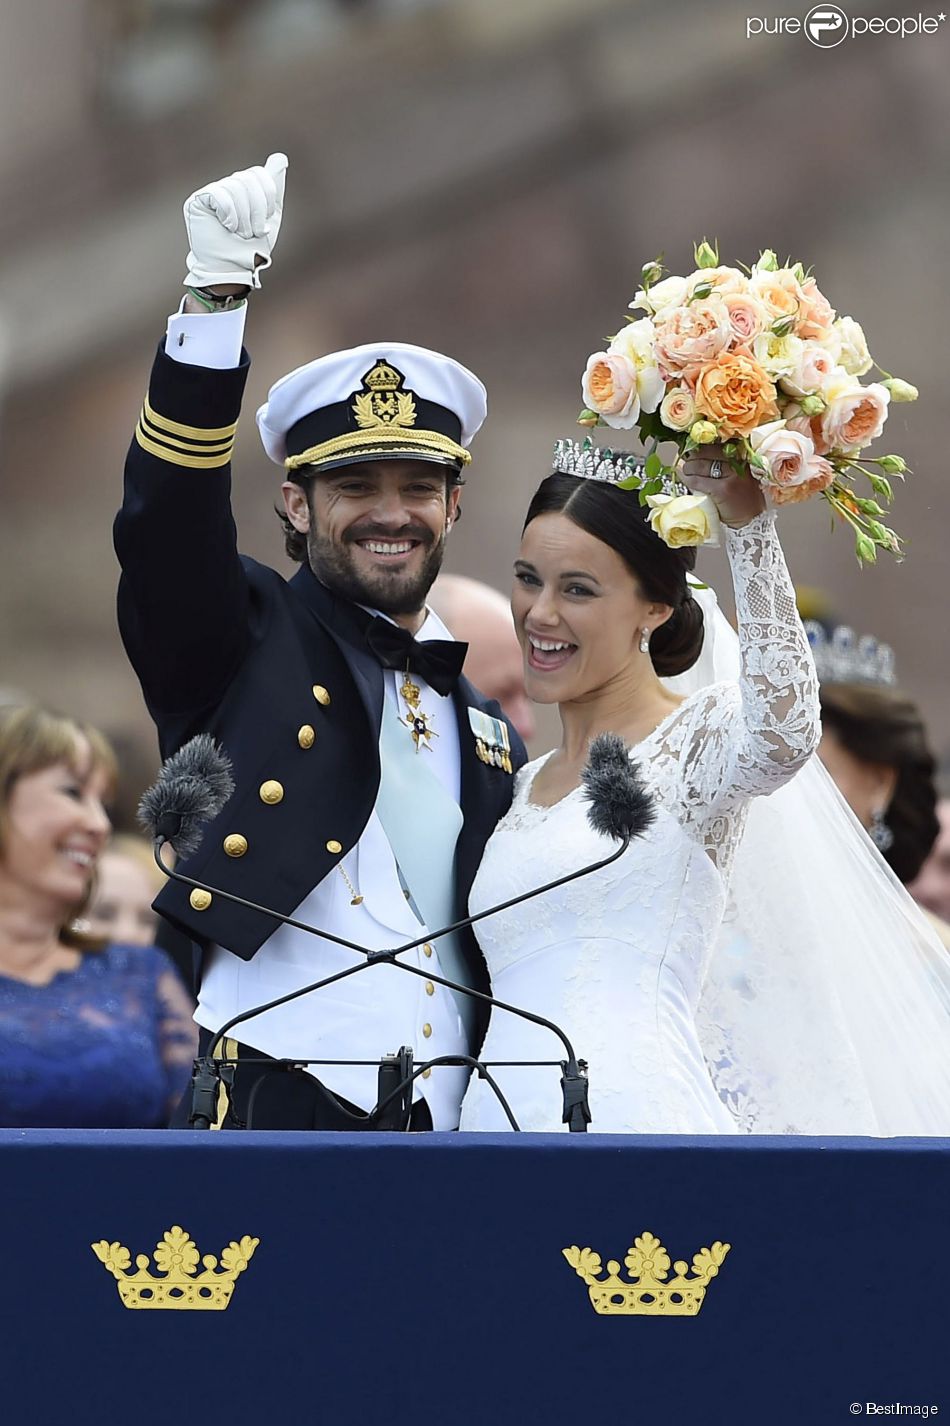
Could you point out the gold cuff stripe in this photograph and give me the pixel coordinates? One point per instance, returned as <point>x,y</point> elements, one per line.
<point>380,443</point>
<point>211,448</point>
<point>197,433</point>
<point>194,462</point>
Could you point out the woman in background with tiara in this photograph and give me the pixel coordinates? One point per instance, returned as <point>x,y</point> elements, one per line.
<point>730,972</point>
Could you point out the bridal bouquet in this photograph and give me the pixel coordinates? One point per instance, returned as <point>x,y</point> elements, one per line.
<point>758,361</point>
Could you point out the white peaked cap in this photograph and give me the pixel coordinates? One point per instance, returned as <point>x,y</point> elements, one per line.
<point>382,400</point>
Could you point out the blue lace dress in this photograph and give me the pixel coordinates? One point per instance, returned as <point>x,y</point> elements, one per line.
<point>108,1045</point>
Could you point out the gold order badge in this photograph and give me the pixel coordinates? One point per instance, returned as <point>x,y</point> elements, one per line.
<point>418,723</point>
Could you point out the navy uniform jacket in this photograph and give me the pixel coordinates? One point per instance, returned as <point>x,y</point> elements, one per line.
<point>275,670</point>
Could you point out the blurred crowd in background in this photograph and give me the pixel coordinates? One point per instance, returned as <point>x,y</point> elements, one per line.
<point>485,179</point>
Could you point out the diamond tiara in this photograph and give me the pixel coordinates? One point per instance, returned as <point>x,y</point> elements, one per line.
<point>592,462</point>
<point>841,657</point>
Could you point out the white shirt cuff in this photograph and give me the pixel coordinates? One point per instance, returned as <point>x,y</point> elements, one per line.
<point>211,339</point>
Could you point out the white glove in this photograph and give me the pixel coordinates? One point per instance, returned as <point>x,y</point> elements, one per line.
<point>232,225</point>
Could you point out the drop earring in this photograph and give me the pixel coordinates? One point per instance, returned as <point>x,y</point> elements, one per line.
<point>881,834</point>
<point>644,641</point>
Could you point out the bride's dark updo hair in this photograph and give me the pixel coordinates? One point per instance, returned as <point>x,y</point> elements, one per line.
<point>617,518</point>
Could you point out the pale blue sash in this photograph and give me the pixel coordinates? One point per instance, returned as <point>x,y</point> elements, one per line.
<point>422,822</point>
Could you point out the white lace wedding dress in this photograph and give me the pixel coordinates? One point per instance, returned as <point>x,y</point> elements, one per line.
<point>618,958</point>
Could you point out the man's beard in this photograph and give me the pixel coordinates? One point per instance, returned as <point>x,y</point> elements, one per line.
<point>390,591</point>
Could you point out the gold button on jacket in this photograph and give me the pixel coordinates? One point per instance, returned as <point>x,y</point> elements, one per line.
<point>305,736</point>
<point>430,988</point>
<point>200,900</point>
<point>271,792</point>
<point>235,845</point>
<point>321,695</point>
<point>334,846</point>
<point>427,1029</point>
<point>427,949</point>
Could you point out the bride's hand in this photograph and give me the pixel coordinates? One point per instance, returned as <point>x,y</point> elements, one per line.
<point>737,495</point>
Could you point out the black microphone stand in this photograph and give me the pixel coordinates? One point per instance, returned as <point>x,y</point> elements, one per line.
<point>207,1077</point>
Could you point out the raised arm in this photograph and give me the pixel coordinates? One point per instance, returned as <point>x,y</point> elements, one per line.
<point>183,596</point>
<point>751,739</point>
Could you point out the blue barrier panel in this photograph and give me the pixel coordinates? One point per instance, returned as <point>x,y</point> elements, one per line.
<point>422,1278</point>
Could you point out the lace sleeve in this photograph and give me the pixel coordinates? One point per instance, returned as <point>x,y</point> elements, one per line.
<point>778,687</point>
<point>736,741</point>
<point>178,1034</point>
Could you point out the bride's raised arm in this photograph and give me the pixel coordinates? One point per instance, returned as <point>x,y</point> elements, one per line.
<point>777,681</point>
<point>746,740</point>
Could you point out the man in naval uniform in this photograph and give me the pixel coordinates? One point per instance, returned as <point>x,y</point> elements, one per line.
<point>369,774</point>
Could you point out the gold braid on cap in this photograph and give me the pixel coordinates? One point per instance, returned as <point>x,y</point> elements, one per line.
<point>382,443</point>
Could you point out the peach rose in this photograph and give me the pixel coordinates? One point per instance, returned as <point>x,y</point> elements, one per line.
<point>609,387</point>
<point>747,317</point>
<point>678,409</point>
<point>779,292</point>
<point>814,368</point>
<point>816,314</point>
<point>736,393</point>
<point>788,454</point>
<point>820,480</point>
<point>854,415</point>
<point>692,334</point>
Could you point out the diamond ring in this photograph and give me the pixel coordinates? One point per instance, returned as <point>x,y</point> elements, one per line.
<point>715,470</point>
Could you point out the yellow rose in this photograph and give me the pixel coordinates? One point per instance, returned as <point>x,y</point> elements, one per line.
<point>701,433</point>
<point>678,409</point>
<point>682,520</point>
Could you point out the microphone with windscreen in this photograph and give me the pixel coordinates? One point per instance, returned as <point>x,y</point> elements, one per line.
<point>194,785</point>
<point>190,790</point>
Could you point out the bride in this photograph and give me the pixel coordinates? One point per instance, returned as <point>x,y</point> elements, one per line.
<point>714,984</point>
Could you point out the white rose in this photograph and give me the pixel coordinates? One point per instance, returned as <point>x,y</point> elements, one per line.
<point>779,356</point>
<point>636,343</point>
<point>853,352</point>
<point>663,296</point>
<point>815,367</point>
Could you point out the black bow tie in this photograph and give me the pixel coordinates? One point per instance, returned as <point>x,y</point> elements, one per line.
<point>437,661</point>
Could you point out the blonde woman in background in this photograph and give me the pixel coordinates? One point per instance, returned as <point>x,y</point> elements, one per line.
<point>92,1035</point>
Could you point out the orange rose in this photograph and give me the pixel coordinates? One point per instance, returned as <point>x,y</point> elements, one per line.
<point>736,393</point>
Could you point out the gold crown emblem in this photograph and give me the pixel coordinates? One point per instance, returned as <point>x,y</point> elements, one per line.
<point>181,1285</point>
<point>383,377</point>
<point>651,1291</point>
<point>383,403</point>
